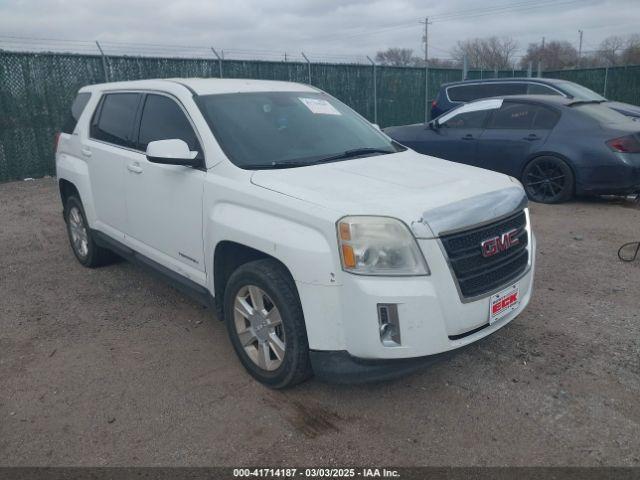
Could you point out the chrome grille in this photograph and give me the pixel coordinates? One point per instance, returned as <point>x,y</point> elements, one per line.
<point>476,274</point>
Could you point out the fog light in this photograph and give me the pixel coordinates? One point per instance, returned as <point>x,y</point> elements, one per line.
<point>389,324</point>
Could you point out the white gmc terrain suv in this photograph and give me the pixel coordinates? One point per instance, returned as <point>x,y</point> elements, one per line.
<point>325,246</point>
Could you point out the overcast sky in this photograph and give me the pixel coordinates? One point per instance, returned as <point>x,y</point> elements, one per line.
<point>262,28</point>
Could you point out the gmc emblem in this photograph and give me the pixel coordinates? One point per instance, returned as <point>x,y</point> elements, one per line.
<point>492,246</point>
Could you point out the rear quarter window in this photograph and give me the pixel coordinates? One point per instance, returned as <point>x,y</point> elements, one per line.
<point>539,89</point>
<point>77,107</point>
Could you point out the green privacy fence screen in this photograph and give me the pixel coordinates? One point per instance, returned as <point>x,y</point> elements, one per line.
<point>37,89</point>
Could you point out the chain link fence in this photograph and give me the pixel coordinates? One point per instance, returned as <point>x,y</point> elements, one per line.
<point>36,91</point>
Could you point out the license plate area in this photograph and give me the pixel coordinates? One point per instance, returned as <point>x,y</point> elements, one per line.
<point>503,303</point>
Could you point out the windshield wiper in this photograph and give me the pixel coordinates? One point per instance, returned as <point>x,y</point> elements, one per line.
<point>275,165</point>
<point>356,152</point>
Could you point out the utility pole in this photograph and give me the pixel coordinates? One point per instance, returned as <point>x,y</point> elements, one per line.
<point>104,63</point>
<point>540,57</point>
<point>580,48</point>
<point>426,69</point>
<point>426,40</point>
<point>375,91</point>
<point>220,58</point>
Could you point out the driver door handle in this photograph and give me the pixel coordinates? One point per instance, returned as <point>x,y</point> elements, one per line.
<point>531,137</point>
<point>134,167</point>
<point>468,136</point>
<point>86,151</point>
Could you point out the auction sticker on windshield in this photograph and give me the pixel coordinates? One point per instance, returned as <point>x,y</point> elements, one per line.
<point>320,106</point>
<point>503,302</point>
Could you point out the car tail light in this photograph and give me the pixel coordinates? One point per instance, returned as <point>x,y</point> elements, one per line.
<point>627,144</point>
<point>434,104</point>
<point>56,140</point>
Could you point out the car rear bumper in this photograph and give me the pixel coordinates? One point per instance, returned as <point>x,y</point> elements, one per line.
<point>611,179</point>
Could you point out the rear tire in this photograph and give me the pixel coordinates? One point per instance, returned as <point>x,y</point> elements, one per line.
<point>266,325</point>
<point>548,179</point>
<point>82,242</point>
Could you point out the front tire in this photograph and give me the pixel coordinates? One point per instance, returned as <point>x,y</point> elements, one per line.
<point>82,242</point>
<point>548,179</point>
<point>265,322</point>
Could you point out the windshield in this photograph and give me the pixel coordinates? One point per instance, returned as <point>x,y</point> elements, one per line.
<point>578,92</point>
<point>289,129</point>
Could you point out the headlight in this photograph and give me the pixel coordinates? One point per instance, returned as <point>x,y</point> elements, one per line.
<point>379,246</point>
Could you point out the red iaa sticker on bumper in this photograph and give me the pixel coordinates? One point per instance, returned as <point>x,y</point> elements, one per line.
<point>503,302</point>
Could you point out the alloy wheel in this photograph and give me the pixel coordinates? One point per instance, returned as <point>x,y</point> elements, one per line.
<point>78,231</point>
<point>545,180</point>
<point>259,327</point>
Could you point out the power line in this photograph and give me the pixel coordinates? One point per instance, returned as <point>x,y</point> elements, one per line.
<point>505,8</point>
<point>460,15</point>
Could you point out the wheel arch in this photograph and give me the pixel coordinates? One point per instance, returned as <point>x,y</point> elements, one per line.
<point>228,256</point>
<point>73,178</point>
<point>67,189</point>
<point>302,243</point>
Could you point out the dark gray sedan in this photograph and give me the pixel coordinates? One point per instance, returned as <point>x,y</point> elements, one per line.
<point>556,147</point>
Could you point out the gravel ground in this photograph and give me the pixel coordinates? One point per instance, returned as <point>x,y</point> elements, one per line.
<point>113,367</point>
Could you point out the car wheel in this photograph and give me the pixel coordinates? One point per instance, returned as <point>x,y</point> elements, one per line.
<point>266,325</point>
<point>82,243</point>
<point>548,179</point>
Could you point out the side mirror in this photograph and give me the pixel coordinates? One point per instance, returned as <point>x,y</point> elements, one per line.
<point>434,124</point>
<point>172,152</point>
<point>377,127</point>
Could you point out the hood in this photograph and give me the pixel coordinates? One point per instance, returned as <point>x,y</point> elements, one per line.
<point>405,185</point>
<point>625,108</point>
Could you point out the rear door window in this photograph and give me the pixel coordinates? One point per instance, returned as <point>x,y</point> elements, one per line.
<point>510,88</point>
<point>113,121</point>
<point>77,107</point>
<point>163,119</point>
<point>513,116</point>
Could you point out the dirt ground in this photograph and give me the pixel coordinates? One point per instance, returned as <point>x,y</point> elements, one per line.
<point>113,367</point>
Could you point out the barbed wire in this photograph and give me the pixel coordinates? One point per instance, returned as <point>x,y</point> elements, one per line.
<point>115,48</point>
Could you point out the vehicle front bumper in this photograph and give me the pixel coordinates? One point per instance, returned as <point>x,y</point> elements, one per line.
<point>433,319</point>
<point>341,367</point>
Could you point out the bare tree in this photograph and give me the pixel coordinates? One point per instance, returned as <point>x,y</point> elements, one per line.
<point>398,57</point>
<point>631,52</point>
<point>555,55</point>
<point>486,53</point>
<point>403,57</point>
<point>609,51</point>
